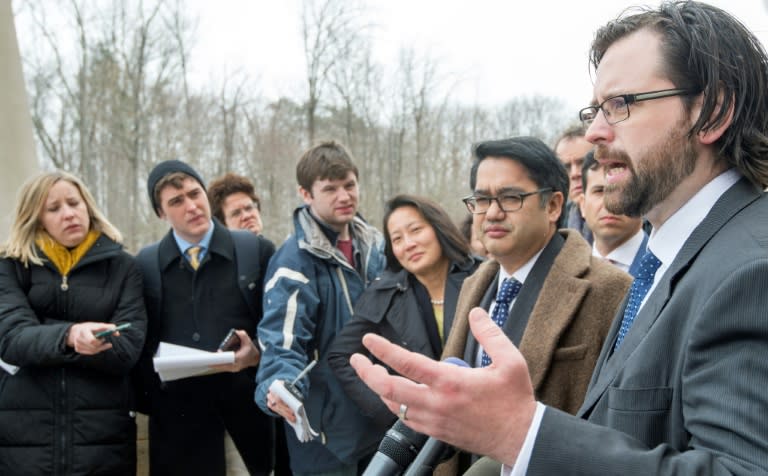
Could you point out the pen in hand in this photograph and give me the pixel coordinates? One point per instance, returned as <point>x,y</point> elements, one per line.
<point>291,387</point>
<point>304,372</point>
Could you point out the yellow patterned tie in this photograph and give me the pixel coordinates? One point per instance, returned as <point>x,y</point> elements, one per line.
<point>193,252</point>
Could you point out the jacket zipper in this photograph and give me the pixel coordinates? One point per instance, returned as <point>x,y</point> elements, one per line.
<point>63,423</point>
<point>63,402</point>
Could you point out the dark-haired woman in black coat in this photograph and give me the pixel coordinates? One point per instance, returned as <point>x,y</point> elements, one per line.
<point>413,302</point>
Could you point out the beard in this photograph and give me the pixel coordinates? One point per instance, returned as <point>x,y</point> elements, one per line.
<point>652,177</point>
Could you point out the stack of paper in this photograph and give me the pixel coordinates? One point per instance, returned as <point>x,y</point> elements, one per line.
<point>173,361</point>
<point>304,432</point>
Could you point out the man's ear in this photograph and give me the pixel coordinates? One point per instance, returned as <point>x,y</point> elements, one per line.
<point>555,206</point>
<point>306,195</point>
<point>712,134</point>
<point>580,202</point>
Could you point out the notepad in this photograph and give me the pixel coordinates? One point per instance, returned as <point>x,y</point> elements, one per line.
<point>304,431</point>
<point>173,362</point>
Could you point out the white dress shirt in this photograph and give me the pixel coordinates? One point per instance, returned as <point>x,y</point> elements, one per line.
<point>521,275</point>
<point>623,256</point>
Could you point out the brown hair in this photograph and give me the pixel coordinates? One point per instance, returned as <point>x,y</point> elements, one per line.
<point>326,160</point>
<point>226,185</point>
<point>575,131</point>
<point>707,50</point>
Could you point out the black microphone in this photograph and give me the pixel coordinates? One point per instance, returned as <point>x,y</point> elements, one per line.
<point>397,450</point>
<point>401,446</point>
<point>432,454</point>
<point>434,451</point>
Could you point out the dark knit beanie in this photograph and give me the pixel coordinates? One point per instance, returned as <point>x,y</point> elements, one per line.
<point>166,168</point>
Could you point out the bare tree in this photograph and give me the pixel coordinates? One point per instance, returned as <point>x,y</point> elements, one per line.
<point>92,105</point>
<point>110,97</point>
<point>540,116</point>
<point>422,97</point>
<point>330,30</point>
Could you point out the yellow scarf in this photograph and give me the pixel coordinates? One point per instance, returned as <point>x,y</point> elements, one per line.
<point>65,259</point>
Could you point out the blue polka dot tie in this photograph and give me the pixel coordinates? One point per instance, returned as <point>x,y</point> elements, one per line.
<point>649,263</point>
<point>509,289</point>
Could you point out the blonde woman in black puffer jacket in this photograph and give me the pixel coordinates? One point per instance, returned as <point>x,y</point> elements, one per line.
<point>64,278</point>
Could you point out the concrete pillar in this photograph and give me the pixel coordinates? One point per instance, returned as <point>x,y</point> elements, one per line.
<point>17,146</point>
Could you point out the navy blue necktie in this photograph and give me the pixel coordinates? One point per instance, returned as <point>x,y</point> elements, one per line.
<point>509,289</point>
<point>649,264</point>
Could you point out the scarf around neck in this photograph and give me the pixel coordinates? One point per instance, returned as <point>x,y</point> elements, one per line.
<point>63,258</point>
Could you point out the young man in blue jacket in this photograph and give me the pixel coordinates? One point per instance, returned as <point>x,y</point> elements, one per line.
<point>311,286</point>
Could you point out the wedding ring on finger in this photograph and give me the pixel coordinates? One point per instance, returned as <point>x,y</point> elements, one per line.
<point>402,414</point>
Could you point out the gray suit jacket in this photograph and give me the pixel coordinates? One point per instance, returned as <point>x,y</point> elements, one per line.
<point>685,393</point>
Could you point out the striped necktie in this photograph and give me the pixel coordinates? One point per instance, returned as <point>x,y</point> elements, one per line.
<point>194,253</point>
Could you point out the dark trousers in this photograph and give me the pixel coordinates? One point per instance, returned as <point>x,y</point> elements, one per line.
<point>188,420</point>
<point>282,459</point>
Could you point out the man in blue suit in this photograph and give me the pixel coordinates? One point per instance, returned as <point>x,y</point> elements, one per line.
<point>618,239</point>
<point>680,121</point>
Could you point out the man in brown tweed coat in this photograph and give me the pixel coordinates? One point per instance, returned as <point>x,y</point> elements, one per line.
<point>568,298</point>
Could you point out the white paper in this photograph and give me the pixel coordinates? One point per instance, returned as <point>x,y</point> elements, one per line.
<point>173,361</point>
<point>11,369</point>
<point>304,431</point>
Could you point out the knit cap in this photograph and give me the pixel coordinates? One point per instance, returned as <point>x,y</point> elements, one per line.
<point>165,168</point>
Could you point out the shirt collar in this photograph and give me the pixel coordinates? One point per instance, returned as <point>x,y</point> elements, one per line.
<point>521,274</point>
<point>624,254</point>
<point>205,243</point>
<point>669,239</point>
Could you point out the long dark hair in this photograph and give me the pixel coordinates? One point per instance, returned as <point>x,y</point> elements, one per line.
<point>452,242</point>
<point>707,50</point>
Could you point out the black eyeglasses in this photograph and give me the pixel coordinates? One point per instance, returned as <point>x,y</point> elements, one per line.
<point>616,108</point>
<point>509,202</point>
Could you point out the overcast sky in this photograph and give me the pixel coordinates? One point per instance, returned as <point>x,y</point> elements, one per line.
<point>493,49</point>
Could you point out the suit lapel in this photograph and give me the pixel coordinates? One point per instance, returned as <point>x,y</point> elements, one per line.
<point>733,200</point>
<point>490,293</point>
<point>520,313</point>
<point>471,295</point>
<point>452,288</point>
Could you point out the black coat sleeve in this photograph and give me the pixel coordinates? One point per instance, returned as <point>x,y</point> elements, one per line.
<point>347,342</point>
<point>25,340</point>
<point>126,348</point>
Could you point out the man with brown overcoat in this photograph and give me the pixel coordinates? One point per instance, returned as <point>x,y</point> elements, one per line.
<point>562,299</point>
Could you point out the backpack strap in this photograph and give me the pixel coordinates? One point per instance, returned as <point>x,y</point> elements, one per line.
<point>149,262</point>
<point>249,272</point>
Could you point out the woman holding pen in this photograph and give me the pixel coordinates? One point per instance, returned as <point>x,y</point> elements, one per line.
<point>66,286</point>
